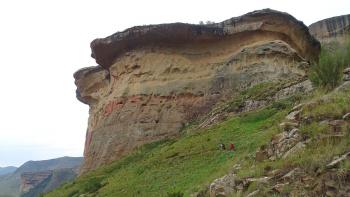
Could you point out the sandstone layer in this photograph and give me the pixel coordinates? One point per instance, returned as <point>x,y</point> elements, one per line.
<point>151,80</point>
<point>330,29</point>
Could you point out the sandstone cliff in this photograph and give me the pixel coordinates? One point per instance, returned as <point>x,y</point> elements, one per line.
<point>151,80</point>
<point>335,28</point>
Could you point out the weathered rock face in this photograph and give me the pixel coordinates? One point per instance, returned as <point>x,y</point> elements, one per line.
<point>153,79</point>
<point>35,177</point>
<point>30,180</point>
<point>36,183</point>
<point>331,28</point>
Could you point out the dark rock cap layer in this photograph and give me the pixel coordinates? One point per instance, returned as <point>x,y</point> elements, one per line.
<point>106,50</point>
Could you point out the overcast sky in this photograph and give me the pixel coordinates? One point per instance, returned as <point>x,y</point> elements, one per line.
<point>42,42</point>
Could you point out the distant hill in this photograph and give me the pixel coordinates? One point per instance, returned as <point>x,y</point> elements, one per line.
<point>58,171</point>
<point>7,170</point>
<point>34,184</point>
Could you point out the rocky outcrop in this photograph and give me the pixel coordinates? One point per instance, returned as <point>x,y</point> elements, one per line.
<point>331,28</point>
<point>151,80</point>
<point>326,183</point>
<point>275,25</point>
<point>287,142</point>
<point>35,177</point>
<point>30,180</point>
<point>329,180</point>
<point>35,183</point>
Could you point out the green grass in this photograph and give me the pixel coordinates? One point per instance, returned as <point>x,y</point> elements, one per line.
<point>190,163</point>
<point>185,165</point>
<point>331,107</point>
<point>319,152</point>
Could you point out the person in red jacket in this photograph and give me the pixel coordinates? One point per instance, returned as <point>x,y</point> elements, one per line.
<point>232,146</point>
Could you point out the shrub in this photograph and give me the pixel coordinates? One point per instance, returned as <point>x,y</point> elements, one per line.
<point>329,70</point>
<point>92,185</point>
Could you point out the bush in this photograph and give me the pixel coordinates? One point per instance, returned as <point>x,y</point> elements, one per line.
<point>92,185</point>
<point>328,72</point>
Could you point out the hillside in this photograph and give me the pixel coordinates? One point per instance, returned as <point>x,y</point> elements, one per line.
<point>189,164</point>
<point>7,170</point>
<point>281,110</point>
<point>13,184</point>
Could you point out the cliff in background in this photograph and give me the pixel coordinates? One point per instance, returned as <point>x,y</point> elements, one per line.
<point>35,177</point>
<point>335,28</point>
<point>35,183</point>
<point>152,80</point>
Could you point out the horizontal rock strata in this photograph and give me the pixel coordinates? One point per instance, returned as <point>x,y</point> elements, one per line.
<point>151,80</point>
<point>330,29</point>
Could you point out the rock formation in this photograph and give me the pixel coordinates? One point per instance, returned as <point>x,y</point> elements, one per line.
<point>30,180</point>
<point>151,80</point>
<point>331,28</point>
<point>35,177</point>
<point>291,141</point>
<point>35,183</point>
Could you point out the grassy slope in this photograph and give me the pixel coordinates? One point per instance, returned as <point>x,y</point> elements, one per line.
<point>314,158</point>
<point>185,165</point>
<point>190,163</point>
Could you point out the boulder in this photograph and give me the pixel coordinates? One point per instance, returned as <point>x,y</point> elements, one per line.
<point>346,116</point>
<point>222,187</point>
<point>336,161</point>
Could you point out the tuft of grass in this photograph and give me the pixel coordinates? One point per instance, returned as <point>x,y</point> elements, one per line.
<point>333,106</point>
<point>260,92</point>
<point>175,194</point>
